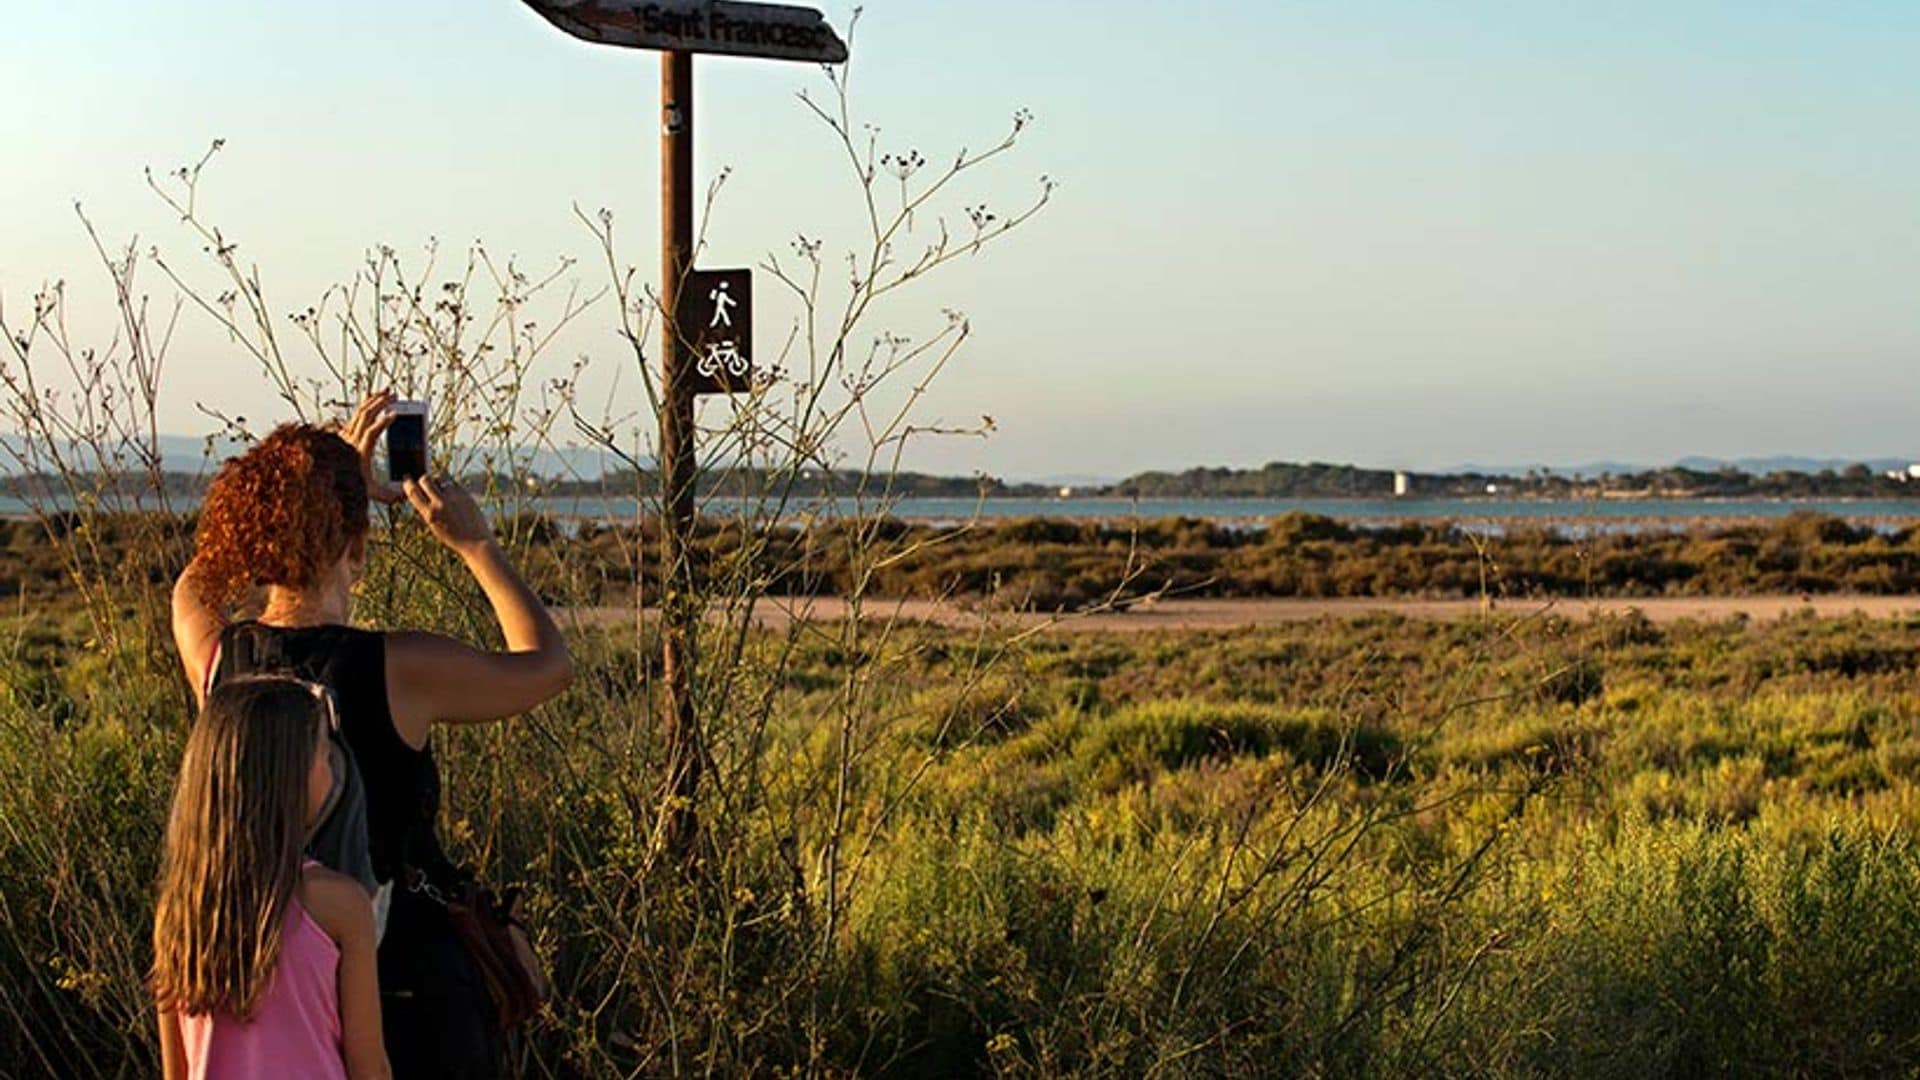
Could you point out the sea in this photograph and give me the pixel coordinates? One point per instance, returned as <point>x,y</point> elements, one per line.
<point>1605,514</point>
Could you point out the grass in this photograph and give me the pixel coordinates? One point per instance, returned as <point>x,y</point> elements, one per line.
<point>1509,847</point>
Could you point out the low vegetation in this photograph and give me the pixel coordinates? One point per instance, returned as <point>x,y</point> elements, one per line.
<point>1509,846</point>
<point>1065,565</point>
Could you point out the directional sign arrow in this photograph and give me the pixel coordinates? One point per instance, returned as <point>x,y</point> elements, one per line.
<point>771,31</point>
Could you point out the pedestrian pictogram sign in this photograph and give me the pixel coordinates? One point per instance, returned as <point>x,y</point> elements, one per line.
<point>716,318</point>
<point>769,31</point>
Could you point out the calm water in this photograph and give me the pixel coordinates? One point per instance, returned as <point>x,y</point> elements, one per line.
<point>1624,512</point>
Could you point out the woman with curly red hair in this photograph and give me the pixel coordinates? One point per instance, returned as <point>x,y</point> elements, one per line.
<point>290,517</point>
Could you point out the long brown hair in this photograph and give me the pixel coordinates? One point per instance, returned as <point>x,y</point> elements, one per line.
<point>281,513</point>
<point>234,842</point>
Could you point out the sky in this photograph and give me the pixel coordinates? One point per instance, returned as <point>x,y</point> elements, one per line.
<point>1402,234</point>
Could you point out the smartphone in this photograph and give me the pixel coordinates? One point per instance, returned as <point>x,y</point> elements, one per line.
<point>407,441</point>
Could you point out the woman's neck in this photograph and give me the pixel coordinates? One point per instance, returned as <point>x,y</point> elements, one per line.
<point>306,607</point>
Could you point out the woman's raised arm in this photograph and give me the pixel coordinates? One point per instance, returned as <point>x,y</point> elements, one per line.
<point>432,678</point>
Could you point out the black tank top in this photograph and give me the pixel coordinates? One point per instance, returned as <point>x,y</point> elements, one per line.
<point>402,784</point>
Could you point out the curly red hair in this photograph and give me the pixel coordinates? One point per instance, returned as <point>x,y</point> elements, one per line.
<point>282,513</point>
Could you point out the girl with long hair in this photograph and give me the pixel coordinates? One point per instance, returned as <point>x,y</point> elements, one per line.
<point>286,523</point>
<point>263,959</point>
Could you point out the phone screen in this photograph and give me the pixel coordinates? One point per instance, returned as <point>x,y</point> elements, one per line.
<point>407,441</point>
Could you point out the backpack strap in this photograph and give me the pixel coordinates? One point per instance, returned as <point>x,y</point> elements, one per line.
<point>239,652</point>
<point>213,668</point>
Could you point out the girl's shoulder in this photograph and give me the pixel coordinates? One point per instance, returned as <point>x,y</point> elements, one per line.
<point>337,903</point>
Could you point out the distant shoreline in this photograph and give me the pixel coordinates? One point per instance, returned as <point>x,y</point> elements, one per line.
<point>1498,512</point>
<point>1787,479</point>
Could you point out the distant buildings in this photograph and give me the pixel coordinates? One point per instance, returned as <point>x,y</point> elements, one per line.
<point>1401,482</point>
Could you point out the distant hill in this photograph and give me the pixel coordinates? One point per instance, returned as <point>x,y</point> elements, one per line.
<point>1716,480</point>
<point>1587,470</point>
<point>1765,465</point>
<point>189,456</point>
<point>1758,466</point>
<point>1275,479</point>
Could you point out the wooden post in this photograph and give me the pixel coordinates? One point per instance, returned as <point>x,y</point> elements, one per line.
<point>679,608</point>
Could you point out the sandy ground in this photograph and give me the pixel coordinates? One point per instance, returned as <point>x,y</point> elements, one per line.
<point>1210,614</point>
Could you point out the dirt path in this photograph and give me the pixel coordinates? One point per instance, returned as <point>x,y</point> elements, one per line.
<point>1215,614</point>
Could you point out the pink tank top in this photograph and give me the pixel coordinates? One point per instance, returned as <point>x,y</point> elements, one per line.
<point>295,1033</point>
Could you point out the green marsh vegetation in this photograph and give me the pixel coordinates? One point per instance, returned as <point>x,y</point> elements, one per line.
<point>1504,846</point>
<point>1064,565</point>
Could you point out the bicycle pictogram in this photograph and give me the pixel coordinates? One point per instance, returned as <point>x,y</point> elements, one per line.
<point>722,356</point>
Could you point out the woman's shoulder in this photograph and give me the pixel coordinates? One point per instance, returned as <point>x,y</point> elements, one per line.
<point>329,653</point>
<point>417,658</point>
<point>412,642</point>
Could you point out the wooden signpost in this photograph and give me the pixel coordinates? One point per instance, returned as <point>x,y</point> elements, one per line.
<point>708,323</point>
<point>767,31</point>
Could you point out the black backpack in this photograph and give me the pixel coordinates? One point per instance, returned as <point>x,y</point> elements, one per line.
<point>340,842</point>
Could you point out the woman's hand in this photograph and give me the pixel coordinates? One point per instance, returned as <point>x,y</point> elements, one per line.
<point>363,430</point>
<point>451,513</point>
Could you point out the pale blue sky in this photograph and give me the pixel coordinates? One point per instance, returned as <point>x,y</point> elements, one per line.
<point>1408,234</point>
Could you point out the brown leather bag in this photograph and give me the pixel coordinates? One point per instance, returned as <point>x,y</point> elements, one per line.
<point>494,937</point>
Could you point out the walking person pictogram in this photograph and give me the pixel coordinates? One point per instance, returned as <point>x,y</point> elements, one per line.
<point>722,301</point>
